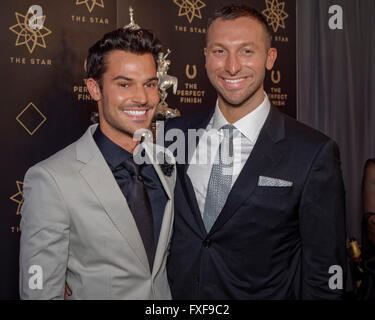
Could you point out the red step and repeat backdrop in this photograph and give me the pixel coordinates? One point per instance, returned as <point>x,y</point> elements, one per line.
<point>45,104</point>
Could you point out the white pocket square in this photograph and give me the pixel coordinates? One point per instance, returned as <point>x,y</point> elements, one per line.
<point>273,182</point>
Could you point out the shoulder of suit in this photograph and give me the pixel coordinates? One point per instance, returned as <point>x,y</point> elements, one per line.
<point>62,161</point>
<point>295,129</point>
<point>186,122</point>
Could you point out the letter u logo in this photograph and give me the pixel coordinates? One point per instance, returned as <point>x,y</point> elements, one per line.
<point>191,76</point>
<point>275,81</point>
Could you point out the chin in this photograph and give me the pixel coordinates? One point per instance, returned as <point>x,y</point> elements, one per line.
<point>234,102</point>
<point>141,125</point>
<point>240,100</point>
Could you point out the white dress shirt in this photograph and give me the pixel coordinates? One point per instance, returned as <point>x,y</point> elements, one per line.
<point>245,135</point>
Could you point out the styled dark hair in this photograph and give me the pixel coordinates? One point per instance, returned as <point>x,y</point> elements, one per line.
<point>139,41</point>
<point>231,12</point>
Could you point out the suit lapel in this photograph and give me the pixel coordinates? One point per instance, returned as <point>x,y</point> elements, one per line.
<point>167,182</point>
<point>151,150</point>
<point>263,156</point>
<point>102,183</point>
<point>195,219</point>
<point>164,237</point>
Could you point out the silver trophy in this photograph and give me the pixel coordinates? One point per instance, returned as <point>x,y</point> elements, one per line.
<point>132,25</point>
<point>165,81</point>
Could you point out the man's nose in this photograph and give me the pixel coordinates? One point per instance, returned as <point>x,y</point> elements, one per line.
<point>140,95</point>
<point>232,64</point>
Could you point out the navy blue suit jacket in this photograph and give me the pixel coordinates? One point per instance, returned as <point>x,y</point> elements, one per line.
<point>268,242</point>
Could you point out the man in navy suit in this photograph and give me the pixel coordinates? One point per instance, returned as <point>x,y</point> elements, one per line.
<point>265,220</point>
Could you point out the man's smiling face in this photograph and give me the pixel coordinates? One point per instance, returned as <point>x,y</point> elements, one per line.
<point>237,56</point>
<point>129,94</point>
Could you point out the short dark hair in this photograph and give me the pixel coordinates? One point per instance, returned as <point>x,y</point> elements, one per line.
<point>139,41</point>
<point>232,11</point>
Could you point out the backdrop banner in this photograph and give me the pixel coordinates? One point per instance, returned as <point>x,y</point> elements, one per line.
<point>46,105</point>
<point>181,26</point>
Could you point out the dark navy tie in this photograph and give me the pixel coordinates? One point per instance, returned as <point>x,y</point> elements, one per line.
<point>140,207</point>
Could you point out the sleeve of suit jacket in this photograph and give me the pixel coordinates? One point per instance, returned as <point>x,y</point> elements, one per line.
<point>322,227</point>
<point>44,237</point>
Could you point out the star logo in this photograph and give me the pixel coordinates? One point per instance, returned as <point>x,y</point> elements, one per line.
<point>190,8</point>
<point>275,14</point>
<point>18,197</point>
<point>28,36</point>
<point>90,4</point>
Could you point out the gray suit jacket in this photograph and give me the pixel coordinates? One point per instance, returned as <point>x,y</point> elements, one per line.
<point>76,225</point>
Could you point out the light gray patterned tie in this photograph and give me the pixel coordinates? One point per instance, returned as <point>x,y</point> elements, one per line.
<point>220,180</point>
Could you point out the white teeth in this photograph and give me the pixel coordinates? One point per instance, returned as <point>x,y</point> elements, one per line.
<point>234,81</point>
<point>135,113</point>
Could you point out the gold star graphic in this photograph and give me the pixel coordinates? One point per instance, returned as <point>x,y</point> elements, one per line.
<point>18,197</point>
<point>27,36</point>
<point>90,4</point>
<point>275,14</point>
<point>190,8</point>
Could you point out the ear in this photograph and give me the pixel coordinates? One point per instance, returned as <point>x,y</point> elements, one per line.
<point>205,52</point>
<point>271,58</point>
<point>94,89</point>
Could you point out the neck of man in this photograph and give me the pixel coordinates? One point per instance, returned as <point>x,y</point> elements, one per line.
<point>233,113</point>
<point>123,140</point>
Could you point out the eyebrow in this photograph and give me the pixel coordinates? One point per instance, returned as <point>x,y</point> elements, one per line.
<point>153,79</point>
<point>244,44</point>
<point>121,78</point>
<point>252,44</point>
<point>130,79</point>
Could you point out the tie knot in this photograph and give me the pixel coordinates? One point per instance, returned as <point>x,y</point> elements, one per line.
<point>132,167</point>
<point>228,130</point>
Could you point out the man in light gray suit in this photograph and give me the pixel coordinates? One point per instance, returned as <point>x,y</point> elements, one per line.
<point>92,216</point>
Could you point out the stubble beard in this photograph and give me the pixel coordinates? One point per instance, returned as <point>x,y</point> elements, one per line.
<point>243,101</point>
<point>123,127</point>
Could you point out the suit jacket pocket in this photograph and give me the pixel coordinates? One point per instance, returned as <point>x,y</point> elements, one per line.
<point>269,191</point>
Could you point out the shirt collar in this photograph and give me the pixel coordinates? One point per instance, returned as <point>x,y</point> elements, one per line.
<point>249,125</point>
<point>112,153</point>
